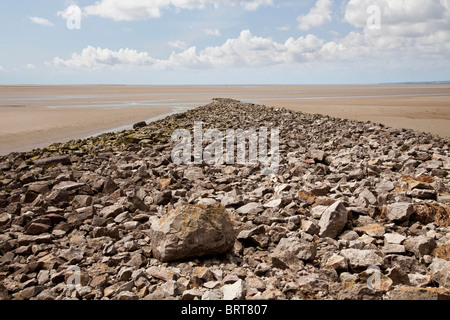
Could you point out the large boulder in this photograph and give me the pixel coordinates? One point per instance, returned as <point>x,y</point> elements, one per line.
<point>192,231</point>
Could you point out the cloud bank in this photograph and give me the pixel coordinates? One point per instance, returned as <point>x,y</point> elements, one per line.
<point>410,31</point>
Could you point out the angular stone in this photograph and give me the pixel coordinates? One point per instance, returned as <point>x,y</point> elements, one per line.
<point>36,228</point>
<point>354,291</point>
<point>275,204</point>
<point>250,208</point>
<point>194,174</point>
<point>191,294</point>
<point>65,160</point>
<point>68,185</point>
<point>111,211</point>
<point>235,291</point>
<point>361,259</point>
<point>419,280</point>
<point>58,196</point>
<point>339,263</point>
<point>230,202</point>
<point>192,231</point>
<point>373,230</point>
<point>81,201</point>
<point>394,238</point>
<point>386,186</point>
<point>393,248</point>
<point>317,211</point>
<point>290,251</point>
<point>40,187</point>
<point>440,272</point>
<point>423,194</point>
<point>4,218</point>
<point>246,236</point>
<point>310,227</point>
<point>369,196</point>
<point>420,246</point>
<point>127,295</point>
<point>333,220</point>
<point>109,186</point>
<point>161,273</point>
<point>400,211</point>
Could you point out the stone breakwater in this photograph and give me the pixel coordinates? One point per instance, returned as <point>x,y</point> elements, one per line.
<point>356,211</point>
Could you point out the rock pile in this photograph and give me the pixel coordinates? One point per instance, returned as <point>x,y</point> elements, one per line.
<point>356,211</point>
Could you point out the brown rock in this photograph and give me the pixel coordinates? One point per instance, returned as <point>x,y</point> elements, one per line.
<point>192,231</point>
<point>37,228</point>
<point>65,160</point>
<point>442,252</point>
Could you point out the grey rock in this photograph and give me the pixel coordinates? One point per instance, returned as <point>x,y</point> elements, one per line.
<point>399,211</point>
<point>250,208</point>
<point>333,220</point>
<point>420,246</point>
<point>275,204</point>
<point>423,194</point>
<point>440,272</point>
<point>235,291</point>
<point>111,211</point>
<point>68,185</point>
<point>394,238</point>
<point>127,295</point>
<point>310,227</point>
<point>393,248</point>
<point>290,251</point>
<point>362,259</point>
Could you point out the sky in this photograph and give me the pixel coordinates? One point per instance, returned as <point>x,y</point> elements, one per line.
<point>224,41</point>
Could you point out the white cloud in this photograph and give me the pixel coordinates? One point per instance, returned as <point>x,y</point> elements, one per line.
<point>2,69</point>
<point>148,9</point>
<point>401,17</point>
<point>213,32</point>
<point>379,47</point>
<point>319,15</point>
<point>70,12</point>
<point>30,66</point>
<point>98,58</point>
<point>409,28</point>
<point>245,50</point>
<point>283,28</point>
<point>41,21</point>
<point>178,44</point>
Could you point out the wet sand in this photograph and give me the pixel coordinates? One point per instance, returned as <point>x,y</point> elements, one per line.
<point>36,116</point>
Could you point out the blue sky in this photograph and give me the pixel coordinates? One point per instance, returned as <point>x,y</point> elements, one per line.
<point>224,41</point>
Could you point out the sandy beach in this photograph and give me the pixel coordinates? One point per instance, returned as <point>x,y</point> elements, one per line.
<point>36,116</point>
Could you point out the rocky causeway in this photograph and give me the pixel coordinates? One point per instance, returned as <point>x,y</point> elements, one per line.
<point>356,210</point>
